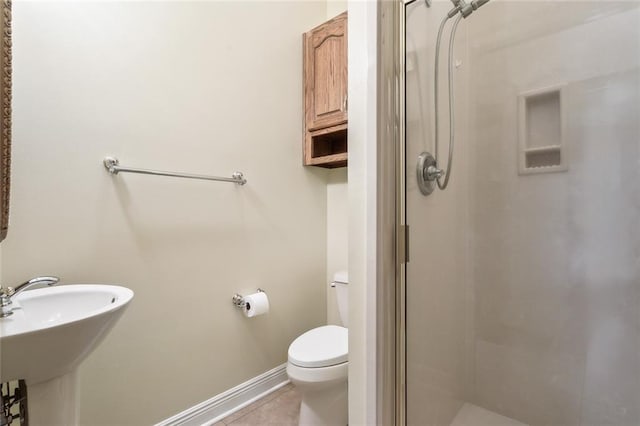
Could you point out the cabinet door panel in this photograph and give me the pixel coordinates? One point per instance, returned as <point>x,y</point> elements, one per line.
<point>326,75</point>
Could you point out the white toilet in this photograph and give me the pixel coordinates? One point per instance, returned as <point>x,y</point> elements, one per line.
<point>318,366</point>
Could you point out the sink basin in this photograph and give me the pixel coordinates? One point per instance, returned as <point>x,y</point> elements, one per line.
<point>52,330</point>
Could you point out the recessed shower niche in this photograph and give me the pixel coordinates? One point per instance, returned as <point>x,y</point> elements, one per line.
<point>541,131</point>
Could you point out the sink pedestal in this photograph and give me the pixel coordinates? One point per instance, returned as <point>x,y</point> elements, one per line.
<point>53,403</point>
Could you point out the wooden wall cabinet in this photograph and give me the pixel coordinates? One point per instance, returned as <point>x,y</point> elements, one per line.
<point>325,94</point>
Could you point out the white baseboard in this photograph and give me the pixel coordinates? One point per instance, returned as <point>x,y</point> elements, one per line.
<point>220,406</point>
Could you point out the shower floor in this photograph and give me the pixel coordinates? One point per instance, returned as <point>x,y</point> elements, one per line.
<point>472,415</point>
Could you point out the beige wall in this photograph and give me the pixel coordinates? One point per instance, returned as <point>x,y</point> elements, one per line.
<point>337,235</point>
<point>207,87</point>
<point>335,7</point>
<point>337,212</point>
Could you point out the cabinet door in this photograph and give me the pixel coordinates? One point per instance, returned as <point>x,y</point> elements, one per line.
<point>326,74</point>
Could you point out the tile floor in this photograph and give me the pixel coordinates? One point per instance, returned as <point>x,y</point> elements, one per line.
<point>280,408</point>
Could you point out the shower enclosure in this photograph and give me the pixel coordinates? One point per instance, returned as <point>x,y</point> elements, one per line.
<point>521,294</point>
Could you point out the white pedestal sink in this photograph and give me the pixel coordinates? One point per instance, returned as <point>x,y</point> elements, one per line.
<point>52,330</point>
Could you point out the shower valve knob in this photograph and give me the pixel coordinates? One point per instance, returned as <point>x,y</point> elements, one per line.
<point>433,173</point>
<point>427,173</point>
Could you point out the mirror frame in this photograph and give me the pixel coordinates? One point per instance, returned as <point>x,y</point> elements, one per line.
<point>5,122</point>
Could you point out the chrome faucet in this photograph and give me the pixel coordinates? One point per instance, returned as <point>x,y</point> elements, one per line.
<point>7,294</point>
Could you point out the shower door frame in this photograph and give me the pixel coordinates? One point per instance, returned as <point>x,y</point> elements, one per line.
<point>392,232</point>
<point>401,221</point>
<point>392,397</point>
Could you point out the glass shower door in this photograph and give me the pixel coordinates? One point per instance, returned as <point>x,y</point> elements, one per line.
<point>523,285</point>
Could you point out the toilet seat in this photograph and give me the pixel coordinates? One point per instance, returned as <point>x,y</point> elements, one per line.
<point>320,347</point>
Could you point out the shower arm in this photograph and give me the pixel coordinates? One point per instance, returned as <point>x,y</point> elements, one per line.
<point>465,8</point>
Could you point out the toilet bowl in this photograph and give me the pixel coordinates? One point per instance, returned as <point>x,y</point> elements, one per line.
<point>318,366</point>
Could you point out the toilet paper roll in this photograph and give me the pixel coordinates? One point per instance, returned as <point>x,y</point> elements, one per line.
<point>256,304</point>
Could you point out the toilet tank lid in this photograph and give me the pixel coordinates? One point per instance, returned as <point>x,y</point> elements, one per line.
<point>321,347</point>
<point>341,277</point>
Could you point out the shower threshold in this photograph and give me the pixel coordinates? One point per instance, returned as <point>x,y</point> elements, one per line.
<point>472,415</point>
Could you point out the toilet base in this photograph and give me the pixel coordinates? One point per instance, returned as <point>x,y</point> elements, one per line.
<point>325,399</point>
<point>327,407</point>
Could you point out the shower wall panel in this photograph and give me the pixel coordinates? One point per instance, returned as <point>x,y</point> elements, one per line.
<point>524,290</point>
<point>555,256</point>
<point>438,308</point>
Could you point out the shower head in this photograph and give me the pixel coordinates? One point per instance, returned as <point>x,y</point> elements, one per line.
<point>465,8</point>
<point>475,4</point>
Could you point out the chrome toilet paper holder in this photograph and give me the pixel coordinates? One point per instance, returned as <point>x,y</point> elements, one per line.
<point>238,300</point>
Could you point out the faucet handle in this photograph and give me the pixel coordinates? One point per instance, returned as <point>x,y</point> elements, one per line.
<point>7,291</point>
<point>5,302</point>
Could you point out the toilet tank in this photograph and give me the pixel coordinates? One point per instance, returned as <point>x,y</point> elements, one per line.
<point>341,281</point>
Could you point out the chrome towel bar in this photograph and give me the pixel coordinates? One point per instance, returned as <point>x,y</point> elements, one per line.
<point>113,166</point>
